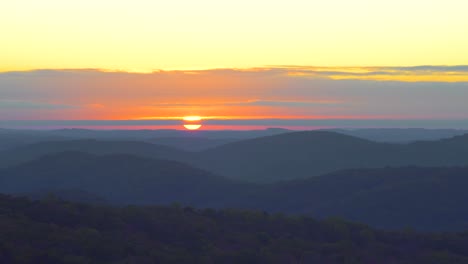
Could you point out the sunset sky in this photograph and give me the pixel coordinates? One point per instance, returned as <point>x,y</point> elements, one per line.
<point>237,60</point>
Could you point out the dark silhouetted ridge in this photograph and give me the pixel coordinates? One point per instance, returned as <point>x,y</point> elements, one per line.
<point>421,198</point>
<point>52,231</point>
<point>305,154</point>
<point>119,178</point>
<point>98,147</point>
<point>290,156</point>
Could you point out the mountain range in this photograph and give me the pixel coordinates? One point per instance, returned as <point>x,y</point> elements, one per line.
<point>392,198</point>
<point>287,156</point>
<point>298,155</point>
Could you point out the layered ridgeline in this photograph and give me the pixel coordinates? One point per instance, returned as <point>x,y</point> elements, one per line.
<point>98,147</point>
<point>203,139</point>
<point>273,158</point>
<point>78,233</point>
<point>187,140</point>
<point>401,135</point>
<point>304,154</point>
<point>118,178</point>
<point>10,138</point>
<point>420,198</point>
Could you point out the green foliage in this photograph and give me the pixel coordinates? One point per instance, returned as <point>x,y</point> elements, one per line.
<point>53,231</point>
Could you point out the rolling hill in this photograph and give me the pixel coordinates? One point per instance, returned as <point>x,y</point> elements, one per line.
<point>122,179</point>
<point>97,147</point>
<point>401,135</point>
<point>10,138</point>
<point>303,154</point>
<point>287,156</point>
<point>192,143</point>
<point>420,198</point>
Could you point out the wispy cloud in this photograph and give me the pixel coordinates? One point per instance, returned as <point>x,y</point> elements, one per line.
<point>290,103</point>
<point>283,91</point>
<point>410,73</point>
<point>404,74</point>
<point>273,103</point>
<point>18,104</point>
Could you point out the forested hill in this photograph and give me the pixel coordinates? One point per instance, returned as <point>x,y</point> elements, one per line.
<point>287,156</point>
<point>422,198</point>
<point>117,178</point>
<point>97,147</point>
<point>51,231</point>
<point>304,154</point>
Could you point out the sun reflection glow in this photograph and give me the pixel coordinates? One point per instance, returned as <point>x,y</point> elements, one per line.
<point>192,118</point>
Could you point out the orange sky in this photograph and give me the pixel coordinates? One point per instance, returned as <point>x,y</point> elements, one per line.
<point>283,92</point>
<point>243,59</point>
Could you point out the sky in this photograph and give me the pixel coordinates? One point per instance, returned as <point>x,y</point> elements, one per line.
<point>238,60</point>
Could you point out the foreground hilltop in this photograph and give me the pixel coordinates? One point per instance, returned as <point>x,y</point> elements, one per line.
<point>52,231</point>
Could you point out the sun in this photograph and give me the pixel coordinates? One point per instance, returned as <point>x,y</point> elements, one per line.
<point>192,122</point>
<point>192,127</point>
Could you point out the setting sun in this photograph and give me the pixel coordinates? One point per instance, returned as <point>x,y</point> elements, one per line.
<point>192,122</point>
<point>192,127</point>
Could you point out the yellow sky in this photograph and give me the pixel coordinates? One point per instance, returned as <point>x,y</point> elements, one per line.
<point>144,35</point>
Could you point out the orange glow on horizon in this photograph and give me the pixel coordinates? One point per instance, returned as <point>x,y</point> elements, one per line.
<point>233,94</point>
<point>192,118</point>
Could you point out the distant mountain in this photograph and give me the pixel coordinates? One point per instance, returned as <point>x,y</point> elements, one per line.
<point>187,140</point>
<point>286,156</point>
<point>309,153</point>
<point>10,138</point>
<point>98,147</point>
<point>400,135</point>
<point>420,198</point>
<point>192,143</point>
<point>146,134</point>
<point>136,135</point>
<point>122,179</point>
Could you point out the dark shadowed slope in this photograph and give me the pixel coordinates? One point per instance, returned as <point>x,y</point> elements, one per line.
<point>10,138</point>
<point>117,178</point>
<point>291,156</point>
<point>192,143</point>
<point>72,195</point>
<point>57,232</point>
<point>143,149</point>
<point>164,133</point>
<point>400,135</point>
<point>274,158</point>
<point>421,198</point>
<point>304,154</point>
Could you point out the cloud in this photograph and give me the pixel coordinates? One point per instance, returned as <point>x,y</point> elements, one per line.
<point>18,104</point>
<point>402,74</point>
<point>428,92</point>
<point>459,68</point>
<point>273,103</point>
<point>291,103</point>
